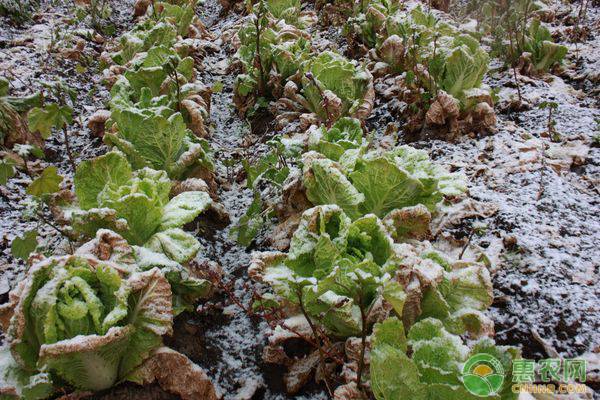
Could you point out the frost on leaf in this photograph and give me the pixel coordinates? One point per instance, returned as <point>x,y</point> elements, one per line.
<point>175,373</point>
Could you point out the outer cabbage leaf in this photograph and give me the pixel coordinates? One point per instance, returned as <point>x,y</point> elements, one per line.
<point>326,184</point>
<point>187,288</point>
<point>93,175</point>
<point>15,382</point>
<point>175,243</point>
<point>184,208</point>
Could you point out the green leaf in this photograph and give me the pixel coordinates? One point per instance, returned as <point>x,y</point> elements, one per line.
<point>394,376</point>
<point>93,175</point>
<point>4,86</point>
<point>250,223</point>
<point>217,87</point>
<point>51,116</point>
<point>25,385</point>
<point>326,184</point>
<point>394,294</point>
<point>7,170</point>
<point>184,208</point>
<point>48,182</point>
<point>390,332</point>
<point>177,244</point>
<point>386,187</point>
<point>151,140</point>
<point>23,246</point>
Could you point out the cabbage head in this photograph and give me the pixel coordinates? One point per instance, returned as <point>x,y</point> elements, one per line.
<point>332,72</point>
<point>378,182</point>
<point>136,205</point>
<point>85,321</point>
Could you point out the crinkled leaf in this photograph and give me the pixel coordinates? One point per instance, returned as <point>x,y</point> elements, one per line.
<point>326,184</point>
<point>93,175</point>
<point>177,244</point>
<point>184,208</point>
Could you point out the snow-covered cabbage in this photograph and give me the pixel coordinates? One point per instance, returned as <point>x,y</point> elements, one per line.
<point>85,321</point>
<point>148,71</point>
<point>146,125</point>
<point>91,319</point>
<point>282,50</point>
<point>346,86</point>
<point>171,21</point>
<point>332,142</point>
<point>544,52</point>
<point>428,362</point>
<point>456,62</point>
<point>378,182</point>
<point>141,38</point>
<point>332,265</point>
<point>136,205</point>
<point>288,10</point>
<point>462,66</point>
<point>335,266</point>
<point>369,20</point>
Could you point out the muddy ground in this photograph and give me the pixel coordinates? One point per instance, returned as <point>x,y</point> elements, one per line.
<point>542,234</point>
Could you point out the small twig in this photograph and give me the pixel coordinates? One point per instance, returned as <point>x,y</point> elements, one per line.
<point>462,252</point>
<point>68,149</point>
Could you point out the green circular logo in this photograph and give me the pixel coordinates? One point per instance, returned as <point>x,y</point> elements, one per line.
<point>483,375</point>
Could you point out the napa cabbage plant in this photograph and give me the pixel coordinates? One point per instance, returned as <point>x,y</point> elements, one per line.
<point>378,182</point>
<point>170,21</point>
<point>289,11</point>
<point>152,71</point>
<point>333,268</point>
<point>136,205</point>
<point>369,20</point>
<point>427,363</point>
<point>152,135</point>
<point>336,269</point>
<point>335,86</point>
<point>84,321</point>
<point>458,66</point>
<point>269,54</point>
<point>544,53</point>
<point>143,37</point>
